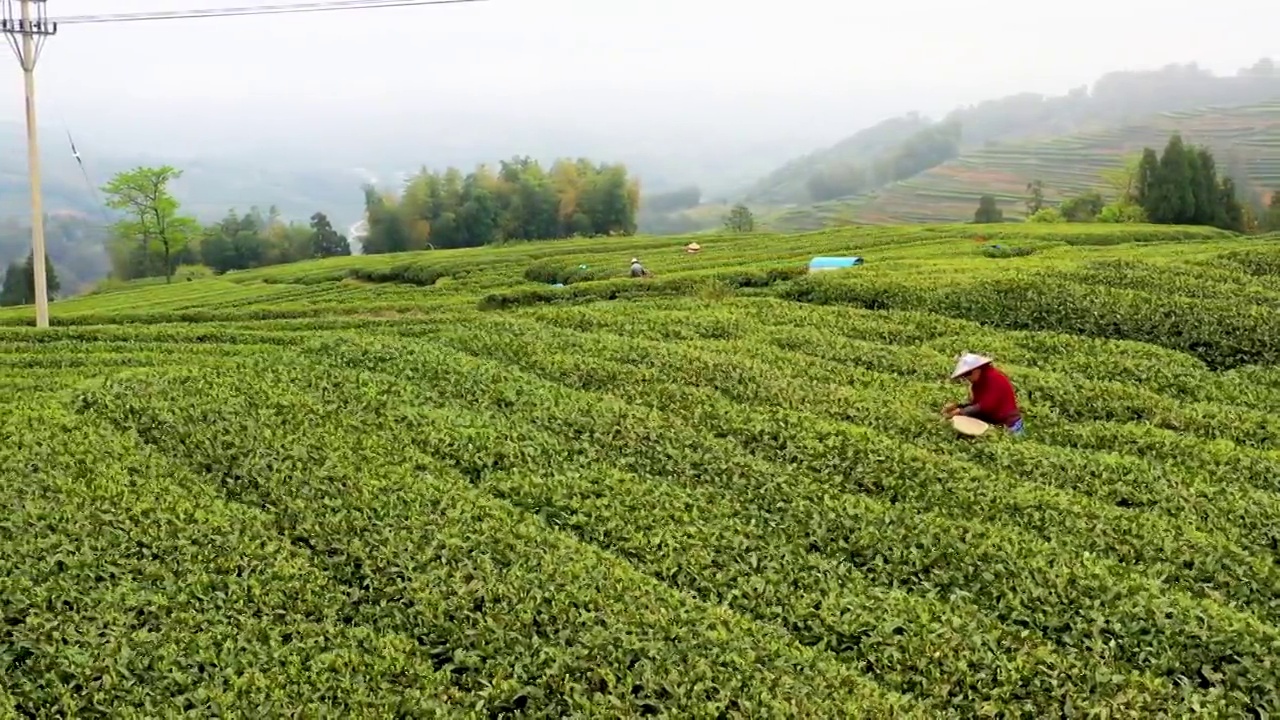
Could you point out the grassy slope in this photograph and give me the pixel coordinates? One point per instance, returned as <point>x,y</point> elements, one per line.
<point>1245,140</point>
<point>342,485</point>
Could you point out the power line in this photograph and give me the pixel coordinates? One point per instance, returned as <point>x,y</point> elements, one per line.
<point>248,10</point>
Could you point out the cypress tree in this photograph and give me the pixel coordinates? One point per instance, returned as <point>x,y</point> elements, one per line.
<point>20,282</point>
<point>1230,207</point>
<point>1194,176</point>
<point>1209,201</point>
<point>15,290</point>
<point>51,283</point>
<point>1171,196</point>
<point>988,211</point>
<point>1148,169</point>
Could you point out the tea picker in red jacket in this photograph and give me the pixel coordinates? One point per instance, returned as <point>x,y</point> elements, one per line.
<point>991,396</point>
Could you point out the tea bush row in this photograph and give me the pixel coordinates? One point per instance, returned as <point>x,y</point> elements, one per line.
<point>1184,649</point>
<point>521,618</point>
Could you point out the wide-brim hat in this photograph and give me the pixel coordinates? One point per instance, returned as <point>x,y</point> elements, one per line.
<point>969,362</point>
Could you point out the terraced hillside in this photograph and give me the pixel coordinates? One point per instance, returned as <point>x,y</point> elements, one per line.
<point>438,485</point>
<point>1245,140</point>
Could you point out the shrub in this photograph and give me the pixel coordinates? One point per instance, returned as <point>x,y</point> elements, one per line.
<point>1001,251</point>
<point>1047,215</point>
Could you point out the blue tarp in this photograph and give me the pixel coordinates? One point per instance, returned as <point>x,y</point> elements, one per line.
<point>833,263</point>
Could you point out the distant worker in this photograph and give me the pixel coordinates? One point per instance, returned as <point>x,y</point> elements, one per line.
<point>991,396</point>
<point>637,270</point>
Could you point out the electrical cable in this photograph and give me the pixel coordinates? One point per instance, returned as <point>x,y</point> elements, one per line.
<point>84,171</point>
<point>251,10</point>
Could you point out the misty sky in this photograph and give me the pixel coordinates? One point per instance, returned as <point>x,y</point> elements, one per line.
<point>719,69</point>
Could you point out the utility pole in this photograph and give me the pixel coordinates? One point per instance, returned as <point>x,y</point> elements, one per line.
<point>26,31</point>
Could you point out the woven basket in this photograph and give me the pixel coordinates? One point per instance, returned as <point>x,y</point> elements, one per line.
<point>968,426</point>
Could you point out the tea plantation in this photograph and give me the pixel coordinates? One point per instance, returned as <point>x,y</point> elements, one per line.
<point>437,485</point>
<point>1245,140</point>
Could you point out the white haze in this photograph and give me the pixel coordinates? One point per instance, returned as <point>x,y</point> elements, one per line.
<point>719,91</point>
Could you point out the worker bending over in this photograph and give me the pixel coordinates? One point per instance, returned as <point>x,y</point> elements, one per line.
<point>637,270</point>
<point>991,396</point>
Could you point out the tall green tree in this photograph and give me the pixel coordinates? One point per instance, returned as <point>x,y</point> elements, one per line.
<point>479,219</point>
<point>387,229</point>
<point>1230,213</point>
<point>151,214</point>
<point>740,219</point>
<point>1210,200</point>
<point>1148,169</point>
<point>14,291</point>
<point>1171,196</point>
<point>1035,197</point>
<point>988,211</point>
<point>20,282</point>
<point>325,241</point>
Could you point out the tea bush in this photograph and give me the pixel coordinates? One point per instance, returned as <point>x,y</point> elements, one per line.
<point>1000,251</point>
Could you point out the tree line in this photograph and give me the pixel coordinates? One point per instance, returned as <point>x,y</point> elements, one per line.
<point>153,238</point>
<point>520,200</point>
<point>1181,186</point>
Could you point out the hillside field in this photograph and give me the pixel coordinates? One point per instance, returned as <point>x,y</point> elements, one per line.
<point>434,484</point>
<point>1245,141</point>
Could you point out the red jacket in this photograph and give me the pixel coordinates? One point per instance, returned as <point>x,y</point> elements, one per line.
<point>992,399</point>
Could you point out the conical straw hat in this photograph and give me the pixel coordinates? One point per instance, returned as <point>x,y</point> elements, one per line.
<point>969,362</point>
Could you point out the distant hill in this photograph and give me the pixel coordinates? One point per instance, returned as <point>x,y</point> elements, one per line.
<point>1118,100</point>
<point>1245,140</point>
<point>787,184</point>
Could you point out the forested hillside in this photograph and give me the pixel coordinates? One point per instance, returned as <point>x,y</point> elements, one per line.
<point>912,145</point>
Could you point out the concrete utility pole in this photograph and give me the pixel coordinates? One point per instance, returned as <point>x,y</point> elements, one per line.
<point>26,31</point>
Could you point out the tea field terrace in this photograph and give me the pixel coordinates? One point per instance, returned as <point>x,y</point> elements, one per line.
<point>435,484</point>
<point>1245,141</point>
